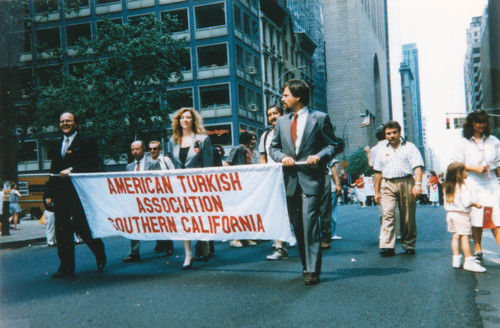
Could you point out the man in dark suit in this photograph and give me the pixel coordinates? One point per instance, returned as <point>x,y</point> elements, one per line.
<point>304,136</point>
<point>140,163</point>
<point>75,153</point>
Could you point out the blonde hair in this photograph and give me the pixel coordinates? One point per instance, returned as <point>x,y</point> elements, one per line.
<point>197,126</point>
<point>454,177</point>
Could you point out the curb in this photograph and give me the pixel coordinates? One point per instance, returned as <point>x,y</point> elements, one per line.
<point>22,243</point>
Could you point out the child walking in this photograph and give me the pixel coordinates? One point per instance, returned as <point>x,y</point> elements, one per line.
<point>458,204</point>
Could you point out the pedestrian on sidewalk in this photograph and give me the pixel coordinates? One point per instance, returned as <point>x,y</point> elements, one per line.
<point>4,209</point>
<point>14,207</point>
<point>458,204</point>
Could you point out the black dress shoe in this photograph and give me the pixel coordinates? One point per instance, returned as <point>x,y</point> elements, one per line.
<point>311,279</point>
<point>101,262</point>
<point>410,251</point>
<point>132,258</point>
<point>169,251</point>
<point>62,273</point>
<point>387,252</point>
<point>188,266</point>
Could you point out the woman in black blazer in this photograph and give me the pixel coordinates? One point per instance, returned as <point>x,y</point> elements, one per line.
<point>190,147</point>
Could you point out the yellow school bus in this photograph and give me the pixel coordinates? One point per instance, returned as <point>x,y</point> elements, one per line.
<point>32,187</point>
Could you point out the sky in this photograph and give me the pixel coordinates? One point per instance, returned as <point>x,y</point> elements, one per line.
<point>438,27</point>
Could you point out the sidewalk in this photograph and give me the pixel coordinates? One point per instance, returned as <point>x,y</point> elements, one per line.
<point>31,231</point>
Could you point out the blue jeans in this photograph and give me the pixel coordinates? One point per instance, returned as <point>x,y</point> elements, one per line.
<point>335,212</point>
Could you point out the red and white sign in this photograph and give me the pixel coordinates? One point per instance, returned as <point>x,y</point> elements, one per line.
<point>219,203</point>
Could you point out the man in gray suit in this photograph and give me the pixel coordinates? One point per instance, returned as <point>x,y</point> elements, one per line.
<point>304,136</point>
<point>140,163</point>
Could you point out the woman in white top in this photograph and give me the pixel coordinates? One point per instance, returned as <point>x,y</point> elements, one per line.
<point>480,152</point>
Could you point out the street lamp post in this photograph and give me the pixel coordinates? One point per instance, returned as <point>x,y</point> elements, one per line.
<point>343,131</point>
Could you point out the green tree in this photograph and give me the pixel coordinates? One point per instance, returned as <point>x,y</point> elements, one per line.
<point>358,163</point>
<point>118,91</point>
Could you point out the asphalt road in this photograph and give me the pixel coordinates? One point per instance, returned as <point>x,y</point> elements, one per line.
<point>239,288</point>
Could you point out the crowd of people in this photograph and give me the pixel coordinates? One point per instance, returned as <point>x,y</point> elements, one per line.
<point>303,140</point>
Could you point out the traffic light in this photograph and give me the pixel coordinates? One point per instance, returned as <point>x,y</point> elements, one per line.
<point>447,123</point>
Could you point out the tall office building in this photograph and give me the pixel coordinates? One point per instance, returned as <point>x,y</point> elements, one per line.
<point>307,18</point>
<point>472,69</point>
<point>482,61</point>
<point>356,51</point>
<point>410,85</point>
<point>240,52</point>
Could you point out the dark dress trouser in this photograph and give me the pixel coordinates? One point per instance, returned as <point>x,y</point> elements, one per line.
<point>69,218</point>
<point>304,217</point>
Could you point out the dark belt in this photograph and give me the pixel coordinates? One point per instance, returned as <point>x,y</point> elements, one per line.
<point>399,179</point>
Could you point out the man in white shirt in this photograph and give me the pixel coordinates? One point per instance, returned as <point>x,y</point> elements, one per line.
<point>273,113</point>
<point>395,165</point>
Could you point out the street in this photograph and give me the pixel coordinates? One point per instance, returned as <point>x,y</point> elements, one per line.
<point>239,288</point>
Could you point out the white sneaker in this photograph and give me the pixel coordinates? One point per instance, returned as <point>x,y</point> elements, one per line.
<point>236,243</point>
<point>279,254</point>
<point>457,261</point>
<point>471,264</point>
<point>335,237</point>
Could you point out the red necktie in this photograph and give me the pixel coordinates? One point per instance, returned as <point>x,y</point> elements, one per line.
<point>138,167</point>
<point>293,128</point>
<point>249,158</point>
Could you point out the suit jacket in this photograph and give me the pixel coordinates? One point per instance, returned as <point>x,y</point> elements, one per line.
<point>149,165</point>
<point>318,139</point>
<point>200,153</point>
<point>83,156</point>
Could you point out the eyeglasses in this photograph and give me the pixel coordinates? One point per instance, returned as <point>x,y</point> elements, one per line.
<point>66,121</point>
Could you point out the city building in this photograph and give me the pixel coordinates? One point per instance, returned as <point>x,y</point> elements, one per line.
<point>482,62</point>
<point>410,89</point>
<point>356,52</point>
<point>240,53</point>
<point>472,69</point>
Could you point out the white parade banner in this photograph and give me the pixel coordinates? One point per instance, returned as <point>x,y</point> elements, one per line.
<point>219,203</point>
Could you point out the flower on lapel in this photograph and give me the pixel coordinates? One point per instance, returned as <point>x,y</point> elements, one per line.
<point>196,147</point>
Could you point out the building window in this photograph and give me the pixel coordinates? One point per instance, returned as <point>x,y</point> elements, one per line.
<point>246,25</point>
<point>210,15</point>
<point>28,152</point>
<point>48,38</point>
<point>179,98</point>
<point>186,61</point>
<point>43,6</point>
<point>134,20</point>
<point>242,99</point>
<point>214,96</point>
<point>49,75</point>
<point>239,58</point>
<point>212,56</point>
<point>114,21</point>
<point>181,18</point>
<point>76,69</point>
<point>71,3</point>
<point>255,31</point>
<point>25,80</point>
<point>74,32</point>
<point>237,16</point>
<point>103,2</point>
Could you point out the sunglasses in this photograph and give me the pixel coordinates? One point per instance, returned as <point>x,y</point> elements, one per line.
<point>153,148</point>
